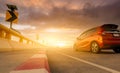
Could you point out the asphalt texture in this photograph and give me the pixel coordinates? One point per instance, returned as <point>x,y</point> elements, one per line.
<point>10,60</point>
<point>67,60</point>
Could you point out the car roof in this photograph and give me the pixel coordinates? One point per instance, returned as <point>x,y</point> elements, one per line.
<point>104,26</point>
<point>109,26</point>
<point>89,30</point>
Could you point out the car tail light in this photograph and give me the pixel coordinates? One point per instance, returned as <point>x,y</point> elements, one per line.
<point>101,32</point>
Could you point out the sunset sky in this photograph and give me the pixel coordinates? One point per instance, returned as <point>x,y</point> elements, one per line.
<point>60,20</point>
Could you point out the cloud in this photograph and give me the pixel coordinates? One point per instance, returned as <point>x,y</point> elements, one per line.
<point>70,17</point>
<point>65,13</point>
<point>24,27</point>
<point>107,13</point>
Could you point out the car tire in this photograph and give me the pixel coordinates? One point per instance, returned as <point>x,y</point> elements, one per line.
<point>95,47</point>
<point>116,50</point>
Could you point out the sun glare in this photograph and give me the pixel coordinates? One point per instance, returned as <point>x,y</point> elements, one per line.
<point>54,42</point>
<point>57,37</point>
<point>60,44</point>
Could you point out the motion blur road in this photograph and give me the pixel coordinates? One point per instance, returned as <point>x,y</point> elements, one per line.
<point>10,60</point>
<point>69,61</point>
<point>65,60</point>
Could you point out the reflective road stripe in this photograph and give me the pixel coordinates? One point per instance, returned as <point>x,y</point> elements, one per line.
<point>90,63</point>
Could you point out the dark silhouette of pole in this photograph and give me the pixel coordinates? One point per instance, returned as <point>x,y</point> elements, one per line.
<point>10,25</point>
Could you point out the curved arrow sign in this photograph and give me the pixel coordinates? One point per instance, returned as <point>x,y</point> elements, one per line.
<point>11,16</point>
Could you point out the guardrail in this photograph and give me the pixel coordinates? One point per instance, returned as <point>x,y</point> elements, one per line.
<point>14,39</point>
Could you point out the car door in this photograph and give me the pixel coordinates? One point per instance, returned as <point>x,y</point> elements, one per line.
<point>82,41</point>
<point>85,40</point>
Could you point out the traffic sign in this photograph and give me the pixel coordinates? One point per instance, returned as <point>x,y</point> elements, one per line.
<point>12,16</point>
<point>12,7</point>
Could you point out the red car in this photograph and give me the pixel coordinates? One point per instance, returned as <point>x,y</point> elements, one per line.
<point>99,38</point>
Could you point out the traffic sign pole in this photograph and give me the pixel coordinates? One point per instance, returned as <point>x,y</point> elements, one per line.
<point>10,25</point>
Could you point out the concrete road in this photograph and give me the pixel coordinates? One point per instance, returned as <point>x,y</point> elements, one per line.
<point>69,61</point>
<point>10,60</point>
<point>65,61</point>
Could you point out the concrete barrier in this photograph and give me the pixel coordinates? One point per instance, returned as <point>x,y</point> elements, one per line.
<point>36,64</point>
<point>22,43</point>
<point>21,46</point>
<point>4,45</point>
<point>8,45</point>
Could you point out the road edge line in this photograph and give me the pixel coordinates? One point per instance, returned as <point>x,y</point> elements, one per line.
<point>38,63</point>
<point>90,63</point>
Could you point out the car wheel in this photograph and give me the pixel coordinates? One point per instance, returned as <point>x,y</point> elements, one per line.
<point>95,47</point>
<point>117,50</point>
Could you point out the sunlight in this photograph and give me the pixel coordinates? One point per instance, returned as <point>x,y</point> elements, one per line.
<point>54,42</point>
<point>58,37</point>
<point>61,44</point>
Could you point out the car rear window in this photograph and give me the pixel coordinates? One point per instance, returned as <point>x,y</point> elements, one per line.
<point>110,27</point>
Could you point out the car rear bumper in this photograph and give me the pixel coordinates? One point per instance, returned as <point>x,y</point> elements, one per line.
<point>110,44</point>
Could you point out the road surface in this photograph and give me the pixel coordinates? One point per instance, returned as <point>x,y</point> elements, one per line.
<point>69,61</point>
<point>65,60</point>
<point>10,60</point>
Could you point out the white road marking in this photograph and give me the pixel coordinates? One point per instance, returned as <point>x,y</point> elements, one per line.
<point>39,56</point>
<point>31,71</point>
<point>90,63</point>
